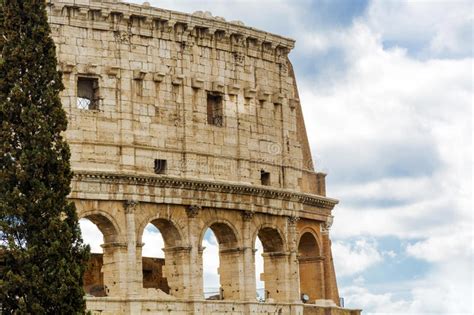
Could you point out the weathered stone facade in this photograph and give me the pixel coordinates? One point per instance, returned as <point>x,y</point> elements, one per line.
<point>189,122</point>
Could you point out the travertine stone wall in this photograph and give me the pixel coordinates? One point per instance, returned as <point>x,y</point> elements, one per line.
<point>153,73</point>
<point>155,69</point>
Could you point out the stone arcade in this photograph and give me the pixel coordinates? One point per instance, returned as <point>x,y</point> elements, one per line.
<point>190,122</point>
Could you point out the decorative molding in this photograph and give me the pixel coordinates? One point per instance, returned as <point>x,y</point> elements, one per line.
<point>233,89</point>
<point>264,96</point>
<point>153,22</point>
<point>176,249</point>
<point>232,250</point>
<point>218,87</point>
<point>177,80</point>
<point>302,259</point>
<point>159,76</point>
<point>112,70</point>
<point>139,74</point>
<point>67,68</point>
<point>250,92</point>
<point>278,98</point>
<point>202,185</point>
<point>197,83</point>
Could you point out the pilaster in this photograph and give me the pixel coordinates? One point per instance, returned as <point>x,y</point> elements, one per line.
<point>195,254</point>
<point>133,261</point>
<point>249,281</point>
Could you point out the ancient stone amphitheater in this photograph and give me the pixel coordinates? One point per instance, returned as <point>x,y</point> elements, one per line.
<point>189,122</point>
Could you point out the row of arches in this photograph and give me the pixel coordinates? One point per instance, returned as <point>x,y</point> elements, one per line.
<point>164,259</point>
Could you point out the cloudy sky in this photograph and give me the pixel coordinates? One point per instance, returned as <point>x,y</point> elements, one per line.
<point>386,88</point>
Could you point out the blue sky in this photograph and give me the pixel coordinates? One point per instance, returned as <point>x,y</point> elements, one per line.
<point>386,88</point>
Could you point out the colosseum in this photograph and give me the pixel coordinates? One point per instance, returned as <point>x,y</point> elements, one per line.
<point>189,122</point>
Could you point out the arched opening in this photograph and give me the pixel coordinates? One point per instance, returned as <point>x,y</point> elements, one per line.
<point>153,259</point>
<point>98,232</point>
<point>260,284</point>
<point>310,267</point>
<point>161,260</point>
<point>222,261</point>
<point>210,266</point>
<point>273,277</point>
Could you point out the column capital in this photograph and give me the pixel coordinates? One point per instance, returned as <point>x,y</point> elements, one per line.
<point>326,226</point>
<point>292,220</point>
<point>175,249</point>
<point>310,259</point>
<point>247,215</point>
<point>276,254</point>
<point>232,250</point>
<point>130,206</point>
<point>114,245</point>
<point>192,211</point>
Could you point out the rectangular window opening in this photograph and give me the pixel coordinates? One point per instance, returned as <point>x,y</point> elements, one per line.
<point>160,166</point>
<point>88,93</point>
<point>264,178</point>
<point>215,111</point>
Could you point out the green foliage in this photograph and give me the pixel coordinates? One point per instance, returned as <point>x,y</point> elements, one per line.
<point>40,240</point>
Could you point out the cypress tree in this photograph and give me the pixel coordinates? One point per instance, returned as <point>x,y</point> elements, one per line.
<point>40,240</point>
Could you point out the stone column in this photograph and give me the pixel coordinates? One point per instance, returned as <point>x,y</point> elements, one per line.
<point>330,286</point>
<point>134,262</point>
<point>311,277</point>
<point>230,273</point>
<point>114,269</point>
<point>249,281</point>
<point>177,271</point>
<point>195,255</point>
<point>293,276</point>
<point>276,270</point>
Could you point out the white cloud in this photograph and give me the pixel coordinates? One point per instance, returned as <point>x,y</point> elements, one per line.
<point>434,294</point>
<point>420,190</point>
<point>442,248</point>
<point>354,258</point>
<point>387,98</point>
<point>443,27</point>
<point>259,263</point>
<point>210,264</point>
<point>381,303</point>
<point>153,242</point>
<point>446,290</point>
<point>91,235</point>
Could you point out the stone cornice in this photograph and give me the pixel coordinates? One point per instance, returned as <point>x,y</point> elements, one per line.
<point>148,21</point>
<point>202,185</point>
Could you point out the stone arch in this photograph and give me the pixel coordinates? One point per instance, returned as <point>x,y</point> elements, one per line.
<point>315,235</point>
<point>170,231</point>
<point>226,233</point>
<point>310,262</point>
<point>275,262</point>
<point>230,258</point>
<point>102,276</point>
<point>271,240</point>
<point>107,225</point>
<point>173,227</point>
<point>271,237</point>
<point>168,274</point>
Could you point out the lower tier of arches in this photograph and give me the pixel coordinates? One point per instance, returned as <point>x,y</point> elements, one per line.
<point>297,255</point>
